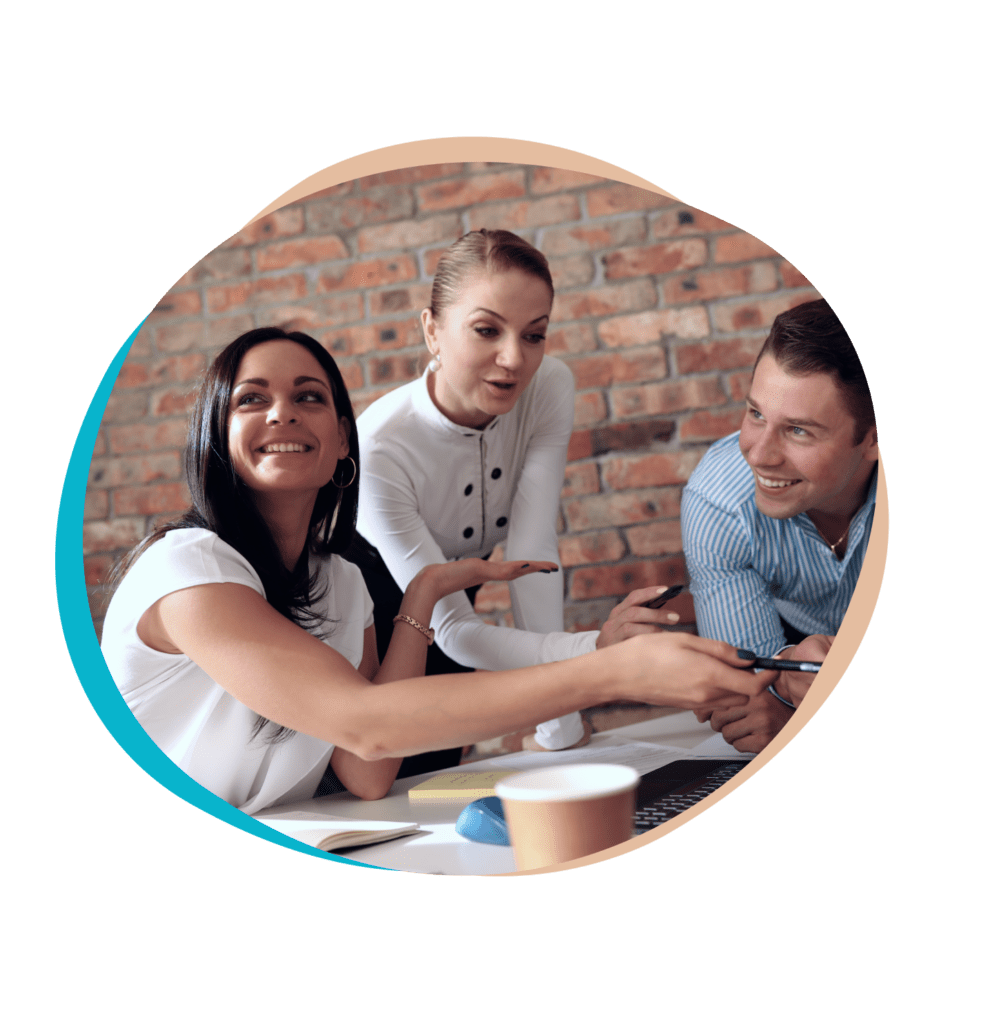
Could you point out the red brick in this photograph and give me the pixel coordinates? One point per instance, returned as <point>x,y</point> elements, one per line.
<point>282,223</point>
<point>361,402</point>
<point>112,535</point>
<point>719,284</point>
<point>388,335</point>
<point>151,500</point>
<point>264,291</point>
<point>791,277</point>
<point>97,568</point>
<point>619,198</point>
<point>328,312</point>
<point>179,337</point>
<point>545,180</point>
<point>593,235</point>
<point>128,470</point>
<point>571,338</point>
<point>132,375</point>
<point>143,437</point>
<point>740,247</point>
<point>394,369</point>
<point>142,346</point>
<point>126,407</point>
<point>708,426</point>
<point>399,300</point>
<point>176,304</point>
<point>717,355</point>
<point>431,258</point>
<point>493,596</point>
<point>600,370</point>
<point>579,446</point>
<point>410,234</point>
<point>582,549</point>
<point>219,333</point>
<point>368,274</point>
<point>653,326</point>
<point>177,368</point>
<point>172,401</point>
<point>343,188</point>
<point>95,505</point>
<point>671,396</point>
<point>221,265</point>
<point>664,258</point>
<point>739,384</point>
<point>352,375</point>
<point>738,316</point>
<point>610,580</point>
<point>477,166</point>
<point>602,510</point>
<point>631,436</point>
<point>480,188</point>
<point>580,618</point>
<point>589,408</point>
<point>375,207</point>
<point>580,479</point>
<point>525,213</point>
<point>571,271</point>
<point>302,252</point>
<point>655,538</point>
<point>100,444</point>
<point>686,221</point>
<point>659,470</point>
<point>605,300</point>
<point>410,175</point>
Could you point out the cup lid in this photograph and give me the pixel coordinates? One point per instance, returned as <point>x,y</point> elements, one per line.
<point>568,782</point>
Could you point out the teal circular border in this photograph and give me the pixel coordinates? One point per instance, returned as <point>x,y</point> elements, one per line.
<point>85,652</point>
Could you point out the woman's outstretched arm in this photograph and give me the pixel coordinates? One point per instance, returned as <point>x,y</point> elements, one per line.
<point>280,671</point>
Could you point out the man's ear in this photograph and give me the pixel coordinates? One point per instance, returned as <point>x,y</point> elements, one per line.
<point>871,444</point>
<point>430,331</point>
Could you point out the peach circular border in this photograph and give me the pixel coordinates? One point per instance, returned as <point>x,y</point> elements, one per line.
<point>856,621</point>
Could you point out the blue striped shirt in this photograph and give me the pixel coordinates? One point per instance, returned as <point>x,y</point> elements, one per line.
<point>747,569</point>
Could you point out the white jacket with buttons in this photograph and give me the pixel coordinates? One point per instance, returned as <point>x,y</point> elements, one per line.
<point>432,491</point>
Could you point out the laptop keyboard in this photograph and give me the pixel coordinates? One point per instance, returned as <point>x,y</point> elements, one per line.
<point>656,812</point>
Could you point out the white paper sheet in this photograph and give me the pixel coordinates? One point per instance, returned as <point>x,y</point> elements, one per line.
<point>603,749</point>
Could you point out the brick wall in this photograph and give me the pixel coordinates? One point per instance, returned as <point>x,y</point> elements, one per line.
<point>660,310</point>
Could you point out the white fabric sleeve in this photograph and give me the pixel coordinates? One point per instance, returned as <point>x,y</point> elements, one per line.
<point>406,546</point>
<point>732,599</point>
<point>537,600</point>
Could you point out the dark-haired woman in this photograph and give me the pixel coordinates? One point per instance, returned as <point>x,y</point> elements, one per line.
<point>243,643</point>
<point>472,454</point>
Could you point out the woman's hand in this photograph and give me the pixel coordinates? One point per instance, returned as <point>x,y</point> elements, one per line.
<point>629,618</point>
<point>451,577</point>
<point>678,670</point>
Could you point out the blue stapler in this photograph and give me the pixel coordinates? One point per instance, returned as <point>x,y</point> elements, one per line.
<point>483,822</point>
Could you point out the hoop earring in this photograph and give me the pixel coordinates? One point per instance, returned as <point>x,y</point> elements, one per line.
<point>354,473</point>
<point>435,365</point>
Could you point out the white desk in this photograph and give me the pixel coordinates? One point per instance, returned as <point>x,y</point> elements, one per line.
<point>438,849</point>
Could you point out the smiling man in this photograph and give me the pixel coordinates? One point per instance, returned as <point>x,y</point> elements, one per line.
<point>775,520</point>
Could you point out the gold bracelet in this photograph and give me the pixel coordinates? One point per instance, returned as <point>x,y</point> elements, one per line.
<point>429,633</point>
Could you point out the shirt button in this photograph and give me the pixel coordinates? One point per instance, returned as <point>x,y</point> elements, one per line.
<point>468,490</point>
<point>502,521</point>
<point>496,474</point>
<point>467,532</point>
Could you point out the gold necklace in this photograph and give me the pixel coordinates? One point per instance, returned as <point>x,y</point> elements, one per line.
<point>834,546</point>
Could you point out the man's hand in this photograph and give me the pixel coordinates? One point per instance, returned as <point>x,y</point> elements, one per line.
<point>753,726</point>
<point>631,618</point>
<point>794,685</point>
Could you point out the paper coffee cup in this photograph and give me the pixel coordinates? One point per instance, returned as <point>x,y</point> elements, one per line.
<point>568,811</point>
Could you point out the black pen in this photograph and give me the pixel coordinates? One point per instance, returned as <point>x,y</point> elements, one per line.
<point>780,664</point>
<point>662,599</point>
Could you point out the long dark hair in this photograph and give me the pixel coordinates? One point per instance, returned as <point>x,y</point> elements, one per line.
<point>221,501</point>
